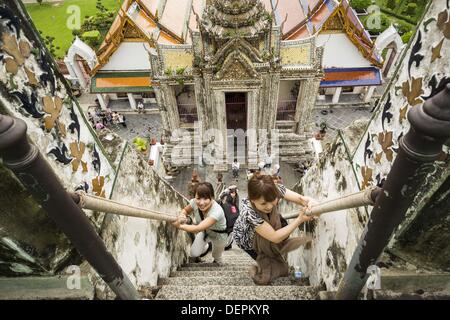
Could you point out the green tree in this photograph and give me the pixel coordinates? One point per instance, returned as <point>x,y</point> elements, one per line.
<point>360,4</point>
<point>48,40</point>
<point>100,7</point>
<point>391,4</point>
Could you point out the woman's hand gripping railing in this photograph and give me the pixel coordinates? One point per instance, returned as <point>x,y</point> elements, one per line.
<point>359,199</point>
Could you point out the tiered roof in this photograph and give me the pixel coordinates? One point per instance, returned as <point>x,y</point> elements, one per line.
<point>169,21</point>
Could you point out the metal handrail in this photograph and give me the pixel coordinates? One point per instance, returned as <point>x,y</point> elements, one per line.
<point>422,145</point>
<point>85,201</point>
<point>359,199</point>
<point>100,204</point>
<point>33,171</point>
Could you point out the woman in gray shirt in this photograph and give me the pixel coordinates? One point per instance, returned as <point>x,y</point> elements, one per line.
<point>210,222</point>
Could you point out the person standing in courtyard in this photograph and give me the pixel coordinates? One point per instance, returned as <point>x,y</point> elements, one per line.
<point>122,120</point>
<point>235,168</point>
<point>192,185</point>
<point>140,107</point>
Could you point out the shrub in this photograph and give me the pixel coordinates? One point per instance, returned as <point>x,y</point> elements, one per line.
<point>407,36</point>
<point>168,72</point>
<point>403,27</point>
<point>180,71</point>
<point>140,143</point>
<point>92,38</point>
<point>411,9</point>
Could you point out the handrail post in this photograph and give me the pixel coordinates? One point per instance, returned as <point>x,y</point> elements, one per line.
<point>38,177</point>
<point>422,145</point>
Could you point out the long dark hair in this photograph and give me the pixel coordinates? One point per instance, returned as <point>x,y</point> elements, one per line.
<point>263,186</point>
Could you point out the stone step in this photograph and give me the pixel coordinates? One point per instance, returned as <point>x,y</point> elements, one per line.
<point>238,254</point>
<point>285,124</point>
<point>294,161</point>
<point>238,258</point>
<point>235,251</point>
<point>226,263</point>
<point>285,130</point>
<point>287,143</point>
<point>294,140</point>
<point>45,288</point>
<point>216,268</point>
<point>217,292</point>
<point>292,152</point>
<point>292,136</point>
<point>306,154</point>
<point>223,281</point>
<point>226,260</point>
<point>185,149</point>
<point>216,273</point>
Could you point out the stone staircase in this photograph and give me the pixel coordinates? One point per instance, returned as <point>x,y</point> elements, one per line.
<point>230,281</point>
<point>295,148</point>
<point>184,148</point>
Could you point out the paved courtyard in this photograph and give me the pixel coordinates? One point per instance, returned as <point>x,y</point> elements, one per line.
<point>340,118</point>
<point>140,125</point>
<point>149,125</point>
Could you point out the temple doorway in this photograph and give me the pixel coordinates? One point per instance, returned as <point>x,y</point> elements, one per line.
<point>236,111</point>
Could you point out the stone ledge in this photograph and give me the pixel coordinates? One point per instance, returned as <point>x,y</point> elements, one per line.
<point>44,288</point>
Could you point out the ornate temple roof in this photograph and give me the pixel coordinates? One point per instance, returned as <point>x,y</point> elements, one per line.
<point>169,21</point>
<point>351,77</point>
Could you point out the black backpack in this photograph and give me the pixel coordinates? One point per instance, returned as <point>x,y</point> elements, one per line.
<point>231,214</point>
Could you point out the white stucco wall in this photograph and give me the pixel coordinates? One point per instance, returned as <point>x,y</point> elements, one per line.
<point>51,130</point>
<point>48,140</point>
<point>340,52</point>
<point>146,250</point>
<point>129,56</point>
<point>339,171</point>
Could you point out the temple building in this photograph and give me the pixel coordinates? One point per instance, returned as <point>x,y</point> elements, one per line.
<point>229,64</point>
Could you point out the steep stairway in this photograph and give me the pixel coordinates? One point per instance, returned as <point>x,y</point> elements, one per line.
<point>294,148</point>
<point>184,148</point>
<point>230,281</point>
